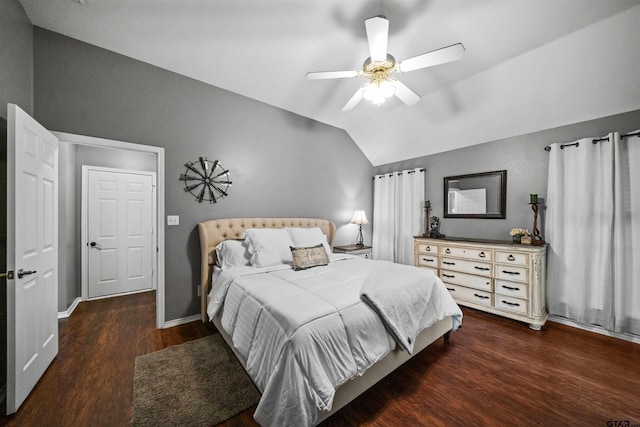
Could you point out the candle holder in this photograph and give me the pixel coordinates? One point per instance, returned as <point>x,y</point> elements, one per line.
<point>536,239</point>
<point>426,221</point>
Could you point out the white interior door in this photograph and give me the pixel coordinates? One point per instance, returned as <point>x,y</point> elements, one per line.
<point>120,223</point>
<point>32,253</point>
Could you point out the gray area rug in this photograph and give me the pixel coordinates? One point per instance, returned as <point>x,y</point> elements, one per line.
<point>198,383</point>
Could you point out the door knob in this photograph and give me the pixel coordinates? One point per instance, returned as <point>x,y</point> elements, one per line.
<point>22,273</point>
<point>94,245</point>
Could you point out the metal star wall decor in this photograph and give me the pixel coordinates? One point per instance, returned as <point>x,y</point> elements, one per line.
<point>206,180</point>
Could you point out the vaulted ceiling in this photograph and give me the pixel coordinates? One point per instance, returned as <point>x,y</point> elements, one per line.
<point>529,64</point>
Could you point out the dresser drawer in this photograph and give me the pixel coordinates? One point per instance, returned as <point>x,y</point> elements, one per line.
<point>468,253</point>
<point>426,248</point>
<point>427,260</point>
<point>512,273</point>
<point>475,296</point>
<point>464,266</point>
<point>512,258</point>
<point>512,304</point>
<point>512,289</point>
<point>469,280</point>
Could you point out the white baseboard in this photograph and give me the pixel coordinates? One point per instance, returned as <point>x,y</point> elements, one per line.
<point>68,311</point>
<point>597,329</point>
<point>181,321</point>
<point>165,325</point>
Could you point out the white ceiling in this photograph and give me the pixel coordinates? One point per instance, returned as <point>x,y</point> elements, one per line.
<point>263,49</point>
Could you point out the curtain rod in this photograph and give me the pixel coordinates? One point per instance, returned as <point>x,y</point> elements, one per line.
<point>604,138</point>
<point>390,174</point>
<point>594,141</point>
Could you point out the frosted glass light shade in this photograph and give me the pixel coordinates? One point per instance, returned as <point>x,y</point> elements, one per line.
<point>378,92</point>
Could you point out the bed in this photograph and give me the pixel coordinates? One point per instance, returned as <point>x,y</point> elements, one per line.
<point>214,232</point>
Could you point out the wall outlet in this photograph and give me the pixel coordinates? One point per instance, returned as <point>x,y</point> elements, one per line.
<point>173,220</point>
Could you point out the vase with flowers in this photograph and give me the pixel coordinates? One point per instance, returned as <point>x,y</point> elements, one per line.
<point>518,233</point>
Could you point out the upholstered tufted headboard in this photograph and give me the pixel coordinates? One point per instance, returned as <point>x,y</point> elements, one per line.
<point>217,230</point>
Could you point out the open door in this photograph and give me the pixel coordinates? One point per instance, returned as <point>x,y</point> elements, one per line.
<point>32,253</point>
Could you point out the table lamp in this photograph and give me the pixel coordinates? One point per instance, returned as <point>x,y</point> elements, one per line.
<point>359,217</point>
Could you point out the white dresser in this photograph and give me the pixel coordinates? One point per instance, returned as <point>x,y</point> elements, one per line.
<point>497,277</point>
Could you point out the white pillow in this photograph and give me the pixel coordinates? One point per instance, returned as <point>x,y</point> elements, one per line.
<point>307,237</point>
<point>232,253</point>
<point>269,246</point>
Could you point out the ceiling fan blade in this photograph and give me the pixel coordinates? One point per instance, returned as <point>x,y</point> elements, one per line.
<point>354,100</point>
<point>429,59</point>
<point>377,35</point>
<point>332,75</point>
<point>405,94</point>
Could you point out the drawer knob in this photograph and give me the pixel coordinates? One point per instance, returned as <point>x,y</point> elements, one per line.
<point>482,255</point>
<point>448,263</point>
<point>481,268</point>
<point>513,304</point>
<point>449,276</point>
<point>510,288</point>
<point>481,296</point>
<point>448,251</point>
<point>451,289</point>
<point>427,260</point>
<point>428,249</point>
<point>511,258</point>
<point>513,273</point>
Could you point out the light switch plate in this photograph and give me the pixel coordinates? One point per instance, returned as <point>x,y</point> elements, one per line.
<point>173,220</point>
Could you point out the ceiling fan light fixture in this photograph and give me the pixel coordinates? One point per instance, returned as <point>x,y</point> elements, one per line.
<point>377,91</point>
<point>380,65</point>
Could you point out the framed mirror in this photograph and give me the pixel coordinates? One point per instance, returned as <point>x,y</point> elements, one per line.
<point>477,195</point>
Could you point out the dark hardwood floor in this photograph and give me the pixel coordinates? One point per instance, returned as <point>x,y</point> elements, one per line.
<point>493,371</point>
<point>90,382</point>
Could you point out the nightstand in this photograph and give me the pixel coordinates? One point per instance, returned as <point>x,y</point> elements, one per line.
<point>361,251</point>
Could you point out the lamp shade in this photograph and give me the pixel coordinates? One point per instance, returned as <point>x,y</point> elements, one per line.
<point>359,217</point>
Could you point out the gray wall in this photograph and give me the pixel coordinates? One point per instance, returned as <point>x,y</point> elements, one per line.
<point>111,158</point>
<point>16,57</point>
<point>527,165</point>
<point>68,219</point>
<point>282,164</point>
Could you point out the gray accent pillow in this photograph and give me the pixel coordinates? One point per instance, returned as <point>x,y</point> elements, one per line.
<point>307,257</point>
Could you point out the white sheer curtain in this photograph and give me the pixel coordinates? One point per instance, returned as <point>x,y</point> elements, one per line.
<point>593,226</point>
<point>398,202</point>
<point>626,279</point>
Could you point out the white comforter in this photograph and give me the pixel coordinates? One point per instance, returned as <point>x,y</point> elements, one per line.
<point>304,333</point>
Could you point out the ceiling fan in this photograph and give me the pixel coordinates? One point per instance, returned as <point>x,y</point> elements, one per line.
<point>380,66</point>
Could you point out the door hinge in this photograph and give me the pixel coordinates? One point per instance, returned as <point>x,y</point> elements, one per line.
<point>8,275</point>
